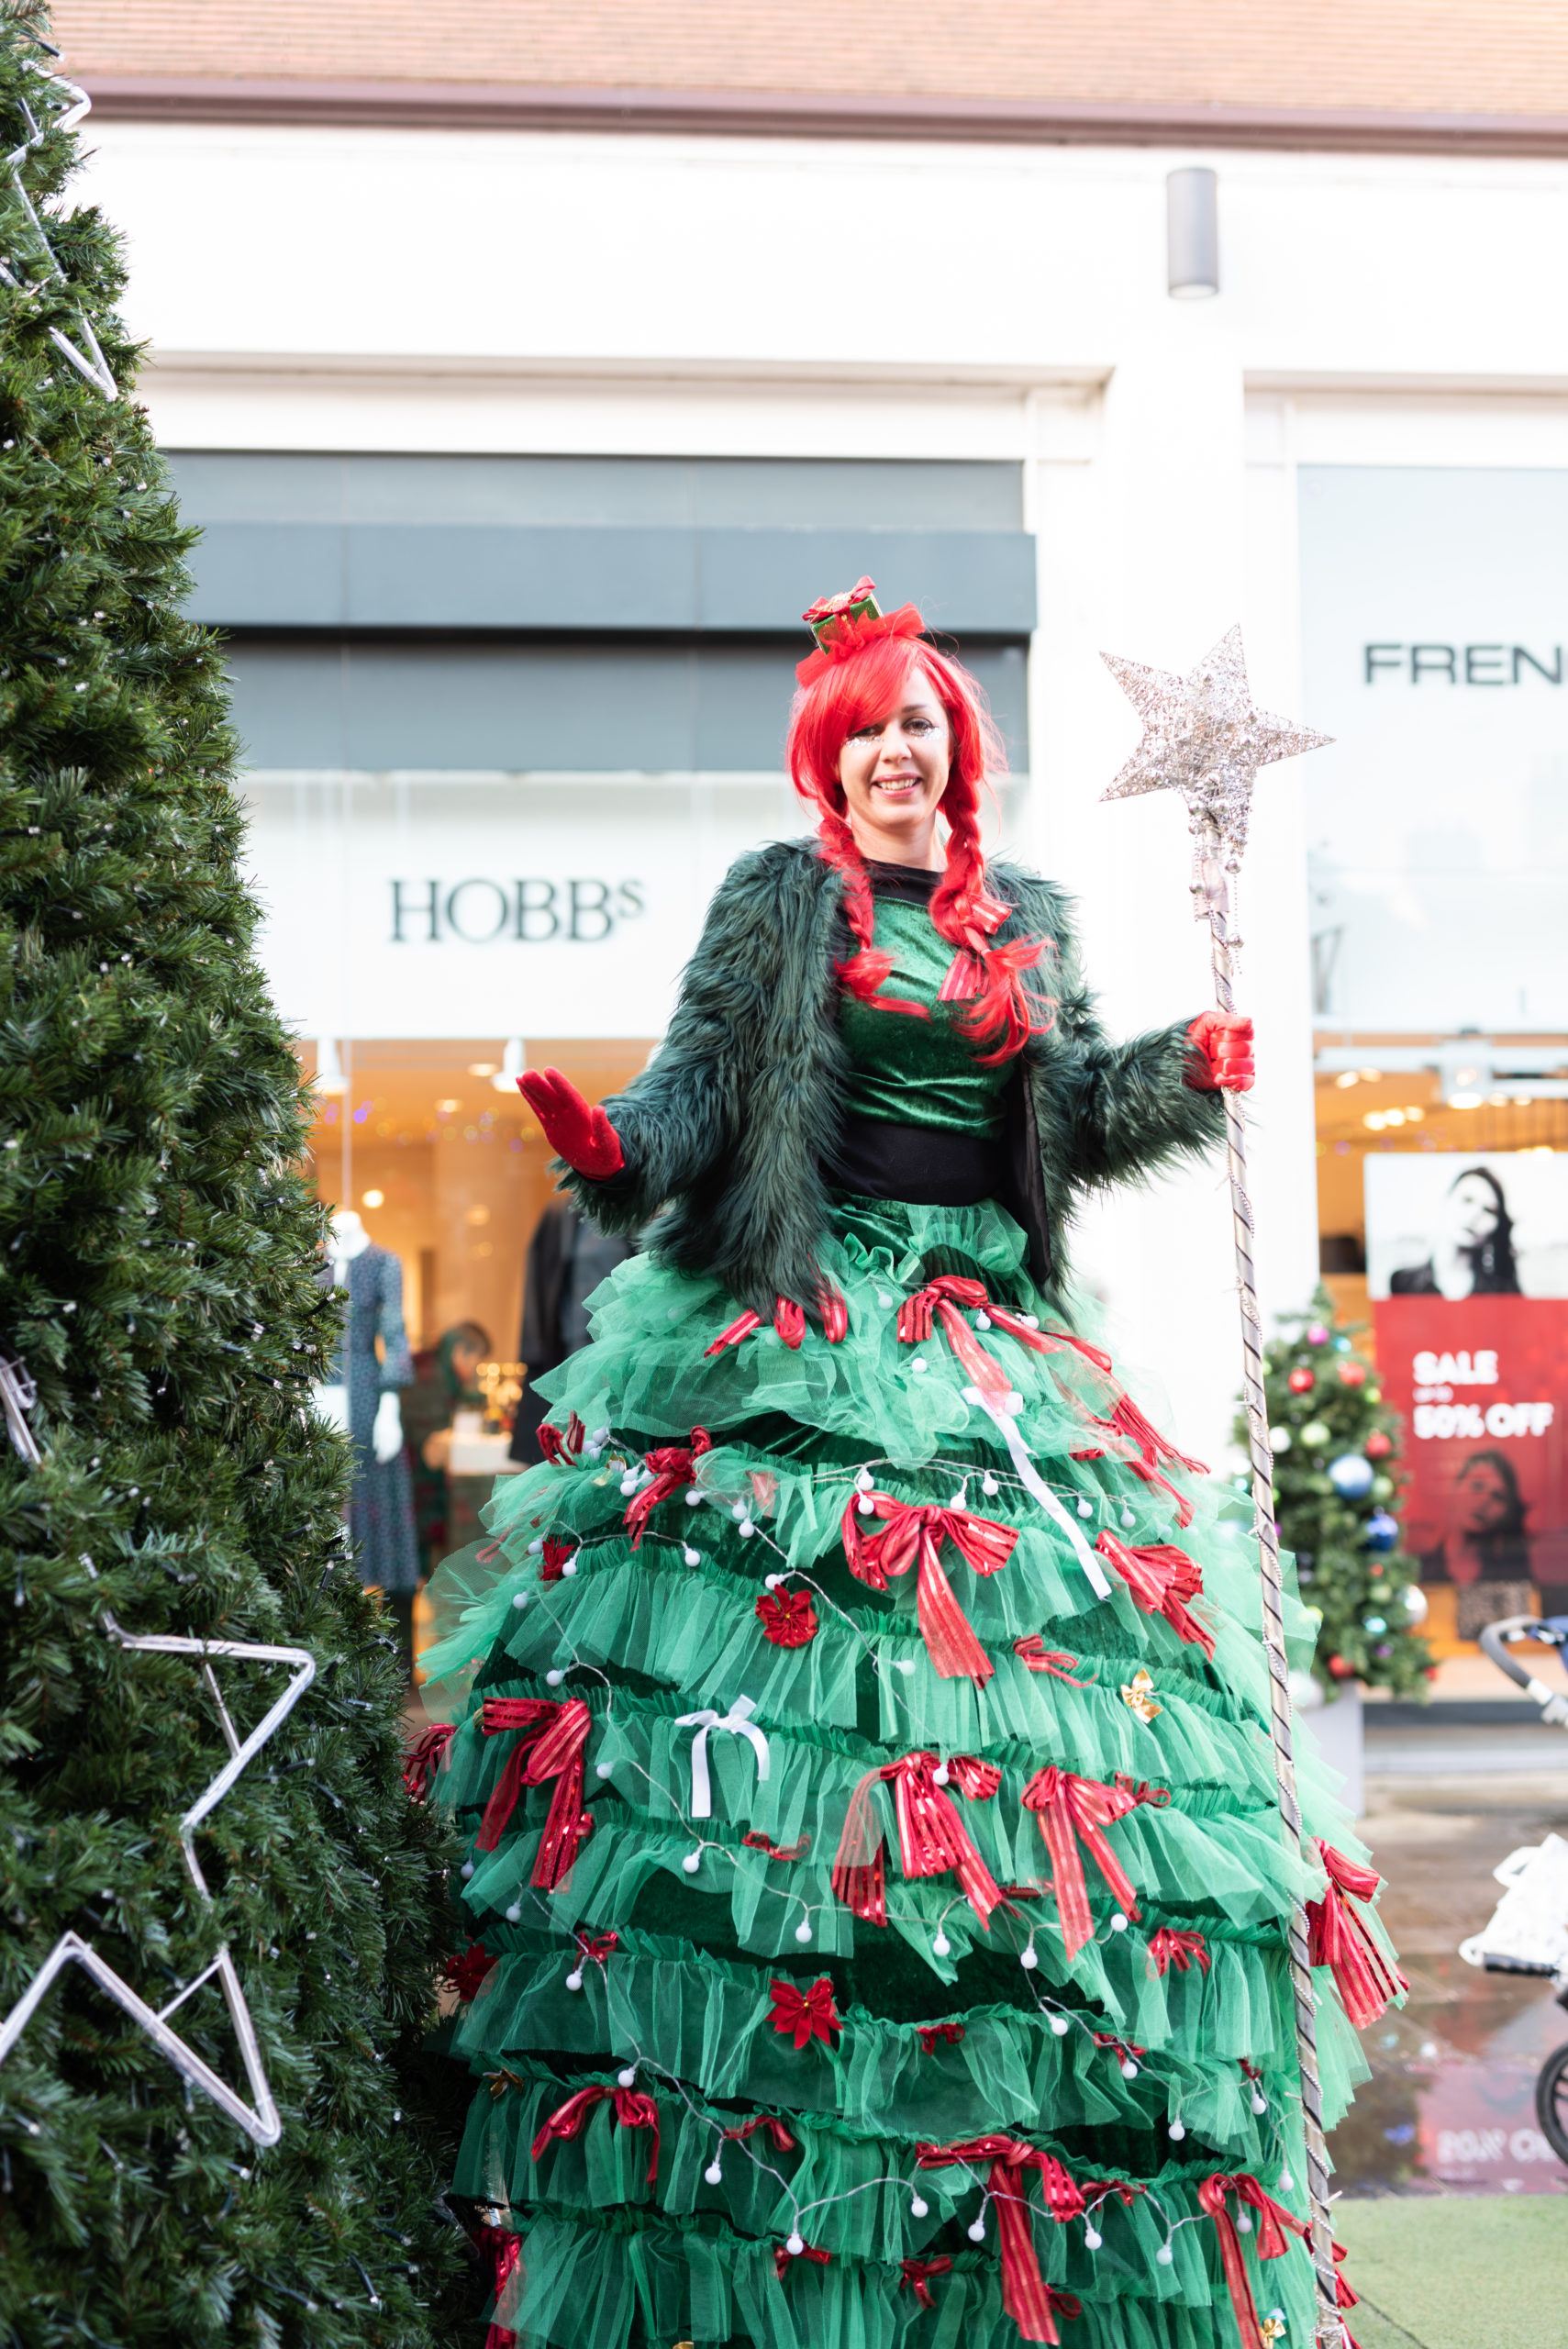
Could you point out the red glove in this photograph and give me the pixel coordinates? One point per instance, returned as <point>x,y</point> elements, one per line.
<point>1225,1042</point>
<point>583,1136</point>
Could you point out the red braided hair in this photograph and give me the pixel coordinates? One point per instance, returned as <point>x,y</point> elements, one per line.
<point>857,677</point>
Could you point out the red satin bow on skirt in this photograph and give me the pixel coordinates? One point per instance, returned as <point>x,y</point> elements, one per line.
<point>1162,1579</point>
<point>563,1446</point>
<point>1069,1808</point>
<point>933,2035</point>
<point>940,1302</point>
<point>1026,2295</point>
<point>633,2111</point>
<point>550,1743</point>
<point>1274,2219</point>
<point>783,2141</point>
<point>674,1467</point>
<point>909,1534</point>
<point>505,2253</point>
<point>785,2259</point>
<point>932,1837</point>
<point>1035,1656</point>
<point>1340,1938</point>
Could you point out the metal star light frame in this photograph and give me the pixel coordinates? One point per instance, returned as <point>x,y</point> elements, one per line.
<point>260,2119</point>
<point>92,365</point>
<point>1204,738</point>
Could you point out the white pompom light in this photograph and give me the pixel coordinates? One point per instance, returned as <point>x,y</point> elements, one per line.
<point>942,1944</point>
<point>1177,2130</point>
<point>977,2231</point>
<point>919,2208</point>
<point>626,2075</point>
<point>1093,2239</point>
<point>803,1931</point>
<point>1030,1959</point>
<point>692,1861</point>
<point>794,2244</point>
<point>713,2174</point>
<point>554,1677</point>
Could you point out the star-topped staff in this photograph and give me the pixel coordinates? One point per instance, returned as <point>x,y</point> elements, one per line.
<point>1204,737</point>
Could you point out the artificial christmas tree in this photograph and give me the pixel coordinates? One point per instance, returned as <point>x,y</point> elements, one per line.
<point>1336,1450</point>
<point>157,1253</point>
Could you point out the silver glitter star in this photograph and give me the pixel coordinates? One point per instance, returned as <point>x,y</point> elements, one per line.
<point>1203,737</point>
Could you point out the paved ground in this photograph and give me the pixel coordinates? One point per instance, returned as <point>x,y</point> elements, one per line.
<point>1453,2208</point>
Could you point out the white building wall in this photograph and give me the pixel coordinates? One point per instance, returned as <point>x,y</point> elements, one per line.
<point>401,290</point>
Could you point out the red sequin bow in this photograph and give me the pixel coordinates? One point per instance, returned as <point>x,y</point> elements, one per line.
<point>633,2111</point>
<point>1026,2295</point>
<point>1168,1948</point>
<point>564,1447</point>
<point>940,1302</point>
<point>1151,1451</point>
<point>1341,1938</point>
<point>787,1617</point>
<point>550,1745</point>
<point>933,1838</point>
<point>785,2259</point>
<point>783,2141</point>
<point>1274,2219</point>
<point>1069,1808</point>
<point>911,1535</point>
<point>426,1760</point>
<point>805,2016</point>
<point>673,1465</point>
<point>914,2275</point>
<point>1162,1579</point>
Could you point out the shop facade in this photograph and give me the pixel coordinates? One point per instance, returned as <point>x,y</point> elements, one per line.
<point>510,531</point>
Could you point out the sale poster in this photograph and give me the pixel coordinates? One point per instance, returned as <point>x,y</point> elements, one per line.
<point>1467,1266</point>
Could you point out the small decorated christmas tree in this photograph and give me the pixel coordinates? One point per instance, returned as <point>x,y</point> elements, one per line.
<point>1335,1450</point>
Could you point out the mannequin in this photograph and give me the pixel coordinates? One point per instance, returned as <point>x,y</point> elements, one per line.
<point>372,1363</point>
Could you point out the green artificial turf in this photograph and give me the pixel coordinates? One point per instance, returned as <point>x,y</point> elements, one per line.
<point>1457,2271</point>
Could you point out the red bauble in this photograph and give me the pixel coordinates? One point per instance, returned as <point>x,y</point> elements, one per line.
<point>1352,1373</point>
<point>1339,1670</point>
<point>1301,1381</point>
<point>1377,1445</point>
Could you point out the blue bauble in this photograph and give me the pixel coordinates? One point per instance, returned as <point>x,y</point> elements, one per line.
<point>1382,1530</point>
<point>1351,1475</point>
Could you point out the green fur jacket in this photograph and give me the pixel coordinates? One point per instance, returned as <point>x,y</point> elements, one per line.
<point>729,1127</point>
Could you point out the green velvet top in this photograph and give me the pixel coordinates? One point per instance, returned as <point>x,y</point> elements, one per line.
<point>911,1072</point>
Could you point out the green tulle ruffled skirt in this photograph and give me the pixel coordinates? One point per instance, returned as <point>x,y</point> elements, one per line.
<point>1117,2057</point>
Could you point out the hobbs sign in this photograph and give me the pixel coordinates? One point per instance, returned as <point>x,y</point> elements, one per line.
<point>483,912</point>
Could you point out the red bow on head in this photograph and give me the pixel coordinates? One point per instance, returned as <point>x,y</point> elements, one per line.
<point>550,1746</point>
<point>674,1467</point>
<point>787,1617</point>
<point>931,2034</point>
<point>803,2017</point>
<point>426,1759</point>
<point>633,2111</point>
<point>911,1535</point>
<point>563,1449</point>
<point>1340,1938</point>
<point>781,2140</point>
<point>785,2259</point>
<point>940,1300</point>
<point>1167,1948</point>
<point>1273,2220</point>
<point>504,2253</point>
<point>1069,1807</point>
<point>1035,1656</point>
<point>1162,1579</point>
<point>933,1838</point>
<point>1025,2294</point>
<point>914,2275</point>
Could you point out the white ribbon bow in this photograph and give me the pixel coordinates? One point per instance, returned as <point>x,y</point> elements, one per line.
<point>738,1721</point>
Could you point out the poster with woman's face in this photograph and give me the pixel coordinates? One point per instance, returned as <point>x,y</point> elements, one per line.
<point>1467,1268</point>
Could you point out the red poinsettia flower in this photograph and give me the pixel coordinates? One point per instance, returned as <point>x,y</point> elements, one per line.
<point>788,1619</point>
<point>556,1554</point>
<point>465,1974</point>
<point>805,2016</point>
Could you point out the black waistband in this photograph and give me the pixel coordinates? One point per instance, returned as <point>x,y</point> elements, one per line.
<point>924,1165</point>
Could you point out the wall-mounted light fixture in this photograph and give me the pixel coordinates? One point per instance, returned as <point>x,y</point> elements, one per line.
<point>1192,232</point>
<point>329,1077</point>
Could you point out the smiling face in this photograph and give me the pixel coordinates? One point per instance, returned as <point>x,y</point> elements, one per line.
<point>893,772</point>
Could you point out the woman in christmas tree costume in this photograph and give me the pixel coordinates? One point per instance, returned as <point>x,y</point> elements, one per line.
<point>876,1881</point>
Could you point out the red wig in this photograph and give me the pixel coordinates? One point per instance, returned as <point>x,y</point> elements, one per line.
<point>857,675</point>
